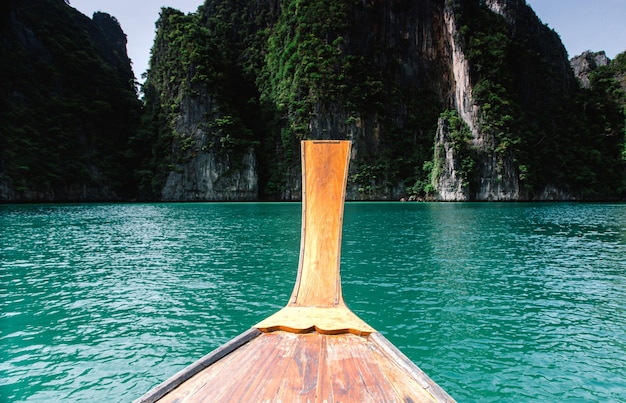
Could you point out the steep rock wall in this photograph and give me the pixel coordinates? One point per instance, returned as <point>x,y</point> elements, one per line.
<point>208,160</point>
<point>495,172</point>
<point>405,59</point>
<point>206,171</point>
<point>448,184</point>
<point>544,50</point>
<point>68,105</point>
<point>584,64</point>
<point>209,177</point>
<point>381,73</point>
<point>496,175</point>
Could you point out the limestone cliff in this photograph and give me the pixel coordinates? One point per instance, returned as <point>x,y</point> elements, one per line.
<point>444,100</point>
<point>584,64</point>
<point>209,153</point>
<point>207,171</point>
<point>68,104</point>
<point>496,175</point>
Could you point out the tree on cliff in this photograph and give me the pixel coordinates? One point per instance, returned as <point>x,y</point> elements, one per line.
<point>67,105</point>
<point>476,97</point>
<point>381,74</point>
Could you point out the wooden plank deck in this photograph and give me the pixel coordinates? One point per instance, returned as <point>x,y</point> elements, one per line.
<point>315,349</point>
<point>310,367</point>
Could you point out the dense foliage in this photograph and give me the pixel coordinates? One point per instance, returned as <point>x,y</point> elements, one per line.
<point>262,75</point>
<point>67,104</point>
<point>558,133</point>
<point>460,139</point>
<point>307,74</point>
<point>208,58</point>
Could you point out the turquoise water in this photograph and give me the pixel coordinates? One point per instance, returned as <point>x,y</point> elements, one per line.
<point>496,302</point>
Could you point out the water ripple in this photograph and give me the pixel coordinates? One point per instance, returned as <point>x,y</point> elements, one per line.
<point>496,302</point>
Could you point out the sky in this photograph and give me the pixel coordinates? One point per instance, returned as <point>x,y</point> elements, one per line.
<point>585,24</point>
<point>137,19</point>
<point>582,24</point>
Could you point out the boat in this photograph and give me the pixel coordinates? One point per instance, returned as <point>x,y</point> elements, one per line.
<point>315,349</point>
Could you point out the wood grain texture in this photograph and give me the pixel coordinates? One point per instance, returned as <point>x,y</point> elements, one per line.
<point>310,367</point>
<point>316,302</point>
<point>315,349</point>
<point>188,372</point>
<point>324,176</point>
<point>333,320</point>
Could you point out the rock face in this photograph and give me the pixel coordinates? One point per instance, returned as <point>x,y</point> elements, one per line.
<point>443,100</point>
<point>68,104</point>
<point>209,177</point>
<point>209,152</point>
<point>584,64</point>
<point>381,73</point>
<point>496,175</point>
<point>450,185</point>
<point>496,172</point>
<point>205,171</point>
<point>208,173</point>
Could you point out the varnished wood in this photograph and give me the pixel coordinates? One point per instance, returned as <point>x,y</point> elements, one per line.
<point>315,349</point>
<point>311,367</point>
<point>184,375</point>
<point>325,170</point>
<point>316,302</point>
<point>333,320</point>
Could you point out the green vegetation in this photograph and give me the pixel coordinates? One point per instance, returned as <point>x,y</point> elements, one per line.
<point>315,73</point>
<point>461,142</point>
<point>604,108</point>
<point>67,103</point>
<point>265,75</point>
<point>304,68</point>
<point>557,133</point>
<point>305,64</point>
<point>196,58</point>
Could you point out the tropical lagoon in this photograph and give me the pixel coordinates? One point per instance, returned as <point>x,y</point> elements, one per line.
<point>517,302</point>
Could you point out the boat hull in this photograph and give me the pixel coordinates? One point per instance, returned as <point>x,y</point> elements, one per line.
<point>301,367</point>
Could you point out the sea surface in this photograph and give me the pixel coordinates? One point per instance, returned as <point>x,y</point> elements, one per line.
<point>496,302</point>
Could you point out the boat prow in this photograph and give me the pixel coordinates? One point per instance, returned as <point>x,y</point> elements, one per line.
<point>315,349</point>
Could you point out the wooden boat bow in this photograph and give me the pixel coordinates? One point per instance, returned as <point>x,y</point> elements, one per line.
<point>317,301</point>
<point>314,349</point>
